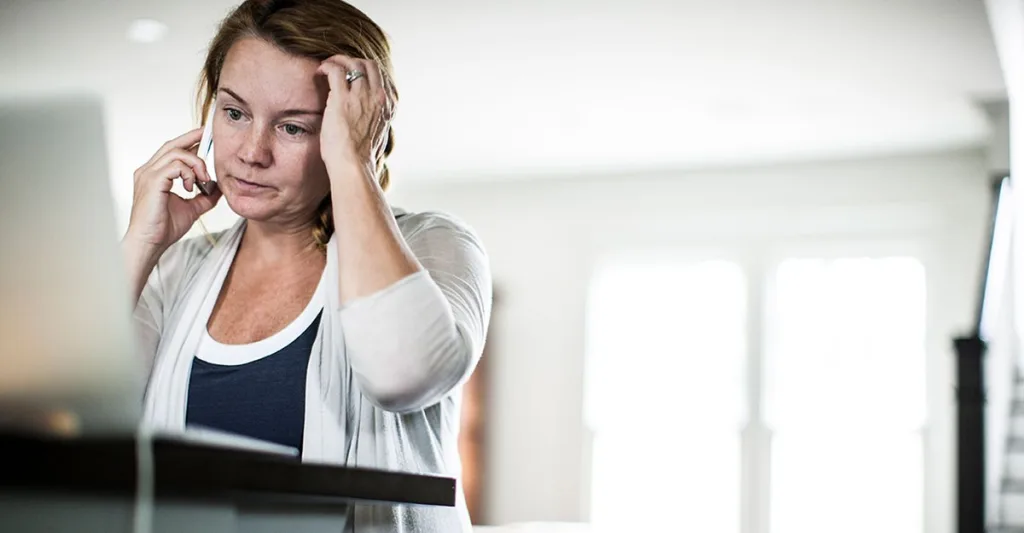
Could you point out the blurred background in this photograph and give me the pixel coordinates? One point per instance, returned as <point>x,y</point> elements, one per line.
<point>731,241</point>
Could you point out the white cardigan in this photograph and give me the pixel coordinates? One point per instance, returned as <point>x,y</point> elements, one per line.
<point>383,389</point>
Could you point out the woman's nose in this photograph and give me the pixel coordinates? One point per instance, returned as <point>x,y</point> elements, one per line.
<point>255,149</point>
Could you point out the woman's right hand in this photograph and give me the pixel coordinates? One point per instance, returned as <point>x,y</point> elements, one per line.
<point>160,217</point>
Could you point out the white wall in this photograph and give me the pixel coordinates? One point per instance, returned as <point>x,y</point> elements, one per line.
<point>545,236</point>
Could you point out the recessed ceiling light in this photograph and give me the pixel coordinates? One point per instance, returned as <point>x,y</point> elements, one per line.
<point>146,31</point>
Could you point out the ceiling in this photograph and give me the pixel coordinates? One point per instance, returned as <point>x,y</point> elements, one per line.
<point>503,90</point>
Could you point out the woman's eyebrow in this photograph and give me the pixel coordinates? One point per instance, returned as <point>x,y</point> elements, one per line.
<point>285,113</point>
<point>293,112</point>
<point>234,95</point>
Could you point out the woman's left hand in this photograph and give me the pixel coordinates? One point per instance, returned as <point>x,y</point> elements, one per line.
<point>355,124</point>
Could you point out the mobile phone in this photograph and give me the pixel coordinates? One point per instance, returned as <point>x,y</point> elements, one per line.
<point>205,150</point>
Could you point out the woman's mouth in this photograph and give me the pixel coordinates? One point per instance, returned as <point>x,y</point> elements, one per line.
<point>249,186</point>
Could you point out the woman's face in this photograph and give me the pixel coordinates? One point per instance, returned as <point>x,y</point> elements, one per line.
<point>266,134</point>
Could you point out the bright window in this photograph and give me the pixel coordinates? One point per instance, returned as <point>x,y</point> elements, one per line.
<point>666,345</point>
<point>846,395</point>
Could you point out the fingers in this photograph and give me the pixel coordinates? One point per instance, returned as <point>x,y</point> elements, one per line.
<point>372,71</point>
<point>197,165</point>
<point>194,168</point>
<point>390,98</point>
<point>369,101</point>
<point>376,93</point>
<point>381,91</point>
<point>335,74</point>
<point>372,83</point>
<point>347,64</point>
<point>171,171</point>
<point>182,142</point>
<point>202,203</point>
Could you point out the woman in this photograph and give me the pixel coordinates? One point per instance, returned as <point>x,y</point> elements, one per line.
<point>324,319</point>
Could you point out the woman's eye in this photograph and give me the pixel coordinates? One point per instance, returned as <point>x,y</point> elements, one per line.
<point>234,114</point>
<point>292,129</point>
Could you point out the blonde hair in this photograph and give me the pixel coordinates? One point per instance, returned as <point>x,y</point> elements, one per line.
<point>317,29</point>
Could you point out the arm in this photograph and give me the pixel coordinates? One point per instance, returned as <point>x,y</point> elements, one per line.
<point>414,309</point>
<point>159,216</point>
<point>414,312</point>
<point>372,254</point>
<point>140,259</point>
<point>147,293</point>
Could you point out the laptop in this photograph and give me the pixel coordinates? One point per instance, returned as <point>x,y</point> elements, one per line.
<point>68,359</point>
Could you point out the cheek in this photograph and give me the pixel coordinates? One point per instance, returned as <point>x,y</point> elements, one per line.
<point>225,145</point>
<point>304,162</point>
<point>315,164</point>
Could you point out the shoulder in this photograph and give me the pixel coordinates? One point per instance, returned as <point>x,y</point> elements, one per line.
<point>444,243</point>
<point>434,226</point>
<point>182,260</point>
<point>190,250</point>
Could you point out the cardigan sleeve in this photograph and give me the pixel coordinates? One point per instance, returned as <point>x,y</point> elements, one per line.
<point>158,293</point>
<point>411,343</point>
<point>148,318</point>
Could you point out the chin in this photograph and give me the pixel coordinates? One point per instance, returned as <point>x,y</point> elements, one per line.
<point>252,208</point>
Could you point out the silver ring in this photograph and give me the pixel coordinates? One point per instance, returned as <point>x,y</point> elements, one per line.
<point>353,76</point>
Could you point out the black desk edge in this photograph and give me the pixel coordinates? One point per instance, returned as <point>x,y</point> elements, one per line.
<point>199,472</point>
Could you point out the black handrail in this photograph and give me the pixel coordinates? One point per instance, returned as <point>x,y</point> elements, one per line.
<point>970,439</point>
<point>970,398</point>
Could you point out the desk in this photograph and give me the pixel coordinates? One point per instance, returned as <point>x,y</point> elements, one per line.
<point>89,485</point>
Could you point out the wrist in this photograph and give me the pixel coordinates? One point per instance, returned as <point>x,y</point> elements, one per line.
<point>140,252</point>
<point>344,160</point>
<point>347,170</point>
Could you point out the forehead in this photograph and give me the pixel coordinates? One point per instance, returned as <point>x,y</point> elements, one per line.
<point>263,74</point>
